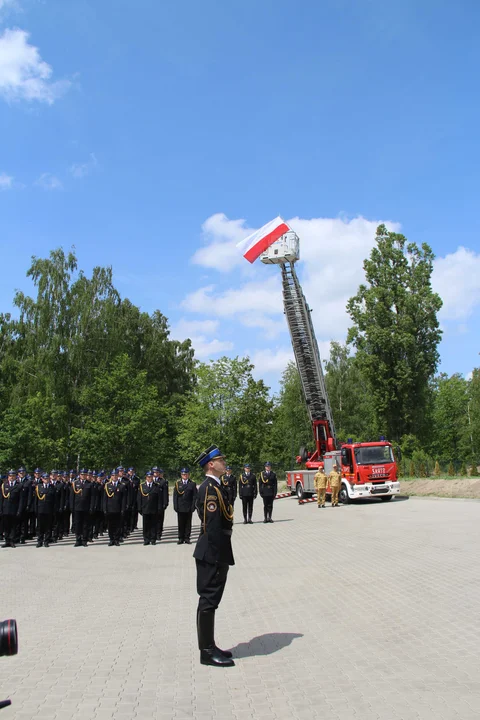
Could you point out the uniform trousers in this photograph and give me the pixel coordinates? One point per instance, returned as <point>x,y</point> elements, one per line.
<point>44,523</point>
<point>11,524</point>
<point>160,520</point>
<point>335,491</point>
<point>184,525</point>
<point>267,507</point>
<point>114,526</point>
<point>82,525</point>
<point>150,527</point>
<point>211,581</point>
<point>321,492</point>
<point>247,504</point>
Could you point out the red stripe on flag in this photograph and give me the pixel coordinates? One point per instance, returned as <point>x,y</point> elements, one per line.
<point>257,249</point>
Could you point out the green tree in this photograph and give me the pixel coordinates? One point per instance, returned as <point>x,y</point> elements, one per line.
<point>227,407</point>
<point>396,333</point>
<point>348,394</point>
<point>291,427</point>
<point>450,419</point>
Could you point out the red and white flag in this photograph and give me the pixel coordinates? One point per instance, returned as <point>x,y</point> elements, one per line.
<point>256,243</point>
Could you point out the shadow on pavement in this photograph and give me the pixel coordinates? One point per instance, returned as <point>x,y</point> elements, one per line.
<point>378,501</point>
<point>264,644</point>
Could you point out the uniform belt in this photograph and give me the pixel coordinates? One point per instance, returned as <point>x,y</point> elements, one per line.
<point>227,532</point>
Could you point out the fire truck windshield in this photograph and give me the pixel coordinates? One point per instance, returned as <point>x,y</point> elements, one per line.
<point>374,455</point>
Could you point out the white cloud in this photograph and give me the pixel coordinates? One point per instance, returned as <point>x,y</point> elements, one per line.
<point>23,73</point>
<point>47,181</point>
<point>456,278</point>
<point>271,360</point>
<point>197,331</point>
<point>81,170</point>
<point>262,297</point>
<point>6,181</point>
<point>221,236</point>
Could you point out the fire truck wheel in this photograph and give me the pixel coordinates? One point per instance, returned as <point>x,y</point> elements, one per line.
<point>300,491</point>
<point>343,495</point>
<point>386,498</point>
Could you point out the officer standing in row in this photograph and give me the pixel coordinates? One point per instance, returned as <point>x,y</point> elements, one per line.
<point>82,504</point>
<point>184,497</point>
<point>11,508</point>
<point>320,486</point>
<point>247,490</point>
<point>114,504</point>
<point>162,482</point>
<point>229,482</point>
<point>149,501</point>
<point>267,485</point>
<point>213,554</point>
<point>135,483</point>
<point>45,500</point>
<point>335,478</point>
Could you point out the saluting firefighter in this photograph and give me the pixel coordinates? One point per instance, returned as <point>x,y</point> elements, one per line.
<point>45,500</point>
<point>213,554</point>
<point>149,500</point>
<point>184,497</point>
<point>114,504</point>
<point>229,482</point>
<point>267,485</point>
<point>247,490</point>
<point>335,478</point>
<point>320,486</point>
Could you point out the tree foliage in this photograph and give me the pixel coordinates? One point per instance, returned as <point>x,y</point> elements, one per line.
<point>396,333</point>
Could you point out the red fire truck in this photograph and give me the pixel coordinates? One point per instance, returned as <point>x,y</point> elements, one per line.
<point>368,469</point>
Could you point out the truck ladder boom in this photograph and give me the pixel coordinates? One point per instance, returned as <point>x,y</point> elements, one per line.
<point>305,347</point>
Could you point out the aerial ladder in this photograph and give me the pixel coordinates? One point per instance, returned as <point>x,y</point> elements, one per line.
<point>285,252</point>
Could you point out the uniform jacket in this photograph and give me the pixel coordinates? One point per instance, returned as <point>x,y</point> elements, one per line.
<point>163,486</point>
<point>247,486</point>
<point>267,484</point>
<point>45,498</point>
<point>149,499</point>
<point>229,482</point>
<point>12,498</point>
<point>320,480</point>
<point>334,478</point>
<point>82,499</point>
<point>215,540</point>
<point>27,489</point>
<point>114,498</point>
<point>184,496</point>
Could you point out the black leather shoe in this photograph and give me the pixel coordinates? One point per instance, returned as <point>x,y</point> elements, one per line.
<point>265,521</point>
<point>85,544</point>
<point>245,522</point>
<point>6,545</point>
<point>211,656</point>
<point>270,520</point>
<point>146,542</point>
<point>226,653</point>
<point>117,544</point>
<point>46,545</point>
<point>111,543</point>
<point>250,522</point>
<point>179,542</point>
<point>188,542</point>
<point>154,542</point>
<point>38,545</point>
<point>78,544</point>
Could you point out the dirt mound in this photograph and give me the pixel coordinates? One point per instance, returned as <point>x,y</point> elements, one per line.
<point>442,487</point>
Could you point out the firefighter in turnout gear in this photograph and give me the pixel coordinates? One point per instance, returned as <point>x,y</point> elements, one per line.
<point>335,479</point>
<point>213,554</point>
<point>229,482</point>
<point>267,485</point>
<point>321,487</point>
<point>247,490</point>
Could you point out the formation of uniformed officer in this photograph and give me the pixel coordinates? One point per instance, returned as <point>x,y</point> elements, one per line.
<point>335,479</point>
<point>247,491</point>
<point>162,482</point>
<point>12,503</point>
<point>267,485</point>
<point>184,498</point>
<point>149,502</point>
<point>213,554</point>
<point>320,486</point>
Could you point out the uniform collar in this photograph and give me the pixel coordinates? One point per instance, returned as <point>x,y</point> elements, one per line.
<point>217,480</point>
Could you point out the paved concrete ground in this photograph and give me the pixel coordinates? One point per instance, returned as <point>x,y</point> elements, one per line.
<point>359,612</point>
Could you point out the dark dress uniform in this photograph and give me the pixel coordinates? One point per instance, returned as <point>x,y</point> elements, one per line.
<point>135,483</point>
<point>184,497</point>
<point>45,499</point>
<point>149,501</point>
<point>114,504</point>
<point>247,490</point>
<point>267,485</point>
<point>27,500</point>
<point>163,504</point>
<point>11,508</point>
<point>82,501</point>
<point>229,482</point>
<point>213,557</point>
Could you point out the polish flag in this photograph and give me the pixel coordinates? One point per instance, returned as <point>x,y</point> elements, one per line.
<point>260,240</point>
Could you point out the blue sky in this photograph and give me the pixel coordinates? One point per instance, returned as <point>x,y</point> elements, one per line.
<point>151,135</point>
